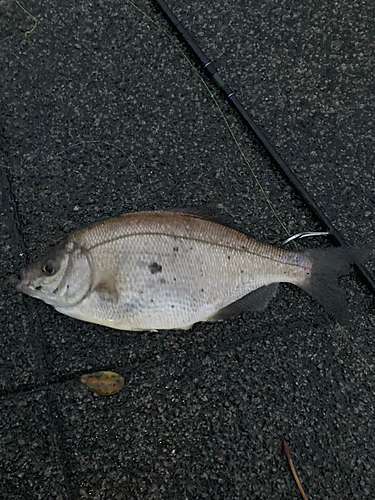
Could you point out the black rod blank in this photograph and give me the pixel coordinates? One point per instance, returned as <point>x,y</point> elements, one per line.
<point>335,236</point>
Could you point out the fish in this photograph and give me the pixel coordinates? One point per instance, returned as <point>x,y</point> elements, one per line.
<point>162,270</point>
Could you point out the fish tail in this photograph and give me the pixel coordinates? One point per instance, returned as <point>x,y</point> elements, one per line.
<point>328,265</point>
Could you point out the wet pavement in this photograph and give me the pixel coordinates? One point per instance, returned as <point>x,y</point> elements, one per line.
<point>101,115</point>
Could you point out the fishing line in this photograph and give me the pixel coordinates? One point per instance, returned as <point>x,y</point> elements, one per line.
<point>306,234</point>
<point>220,112</point>
<point>81,143</point>
<point>331,232</point>
<point>30,15</point>
<point>335,236</point>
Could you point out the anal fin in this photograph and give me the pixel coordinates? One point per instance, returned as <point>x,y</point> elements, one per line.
<point>254,301</point>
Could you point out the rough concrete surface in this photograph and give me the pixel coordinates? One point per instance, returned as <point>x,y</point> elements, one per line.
<point>100,115</point>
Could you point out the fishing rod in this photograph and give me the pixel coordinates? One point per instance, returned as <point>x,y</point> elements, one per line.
<point>334,235</point>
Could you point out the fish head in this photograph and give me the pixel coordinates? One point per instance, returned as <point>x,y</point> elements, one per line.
<point>62,277</point>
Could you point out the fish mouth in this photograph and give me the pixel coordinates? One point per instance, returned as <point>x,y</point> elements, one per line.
<point>23,285</point>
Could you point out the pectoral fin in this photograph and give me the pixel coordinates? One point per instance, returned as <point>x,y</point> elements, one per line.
<point>255,301</point>
<point>107,284</point>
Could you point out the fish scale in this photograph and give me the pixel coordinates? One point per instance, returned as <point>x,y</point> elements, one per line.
<point>167,270</point>
<point>187,289</point>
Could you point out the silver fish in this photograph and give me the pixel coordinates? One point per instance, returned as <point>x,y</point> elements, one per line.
<point>169,270</point>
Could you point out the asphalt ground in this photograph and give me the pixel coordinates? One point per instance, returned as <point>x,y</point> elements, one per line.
<point>101,115</point>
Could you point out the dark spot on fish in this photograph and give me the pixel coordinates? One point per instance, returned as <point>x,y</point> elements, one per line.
<point>155,268</point>
<point>38,288</point>
<point>241,271</point>
<point>162,280</point>
<point>152,300</point>
<point>228,257</point>
<point>174,279</point>
<point>55,290</point>
<point>175,249</point>
<point>202,290</point>
<point>172,306</point>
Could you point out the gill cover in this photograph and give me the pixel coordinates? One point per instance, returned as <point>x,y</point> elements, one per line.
<point>77,280</point>
<point>62,278</point>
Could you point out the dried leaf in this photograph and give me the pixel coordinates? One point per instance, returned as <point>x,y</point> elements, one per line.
<point>103,383</point>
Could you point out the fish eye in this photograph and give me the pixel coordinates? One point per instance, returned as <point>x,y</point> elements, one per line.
<point>49,269</point>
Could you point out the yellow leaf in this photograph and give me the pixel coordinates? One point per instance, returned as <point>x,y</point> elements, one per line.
<point>103,383</point>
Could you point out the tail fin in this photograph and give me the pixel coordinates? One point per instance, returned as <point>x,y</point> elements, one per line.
<point>328,265</point>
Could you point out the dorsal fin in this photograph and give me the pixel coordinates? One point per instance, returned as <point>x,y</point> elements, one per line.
<point>254,301</point>
<point>207,212</point>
